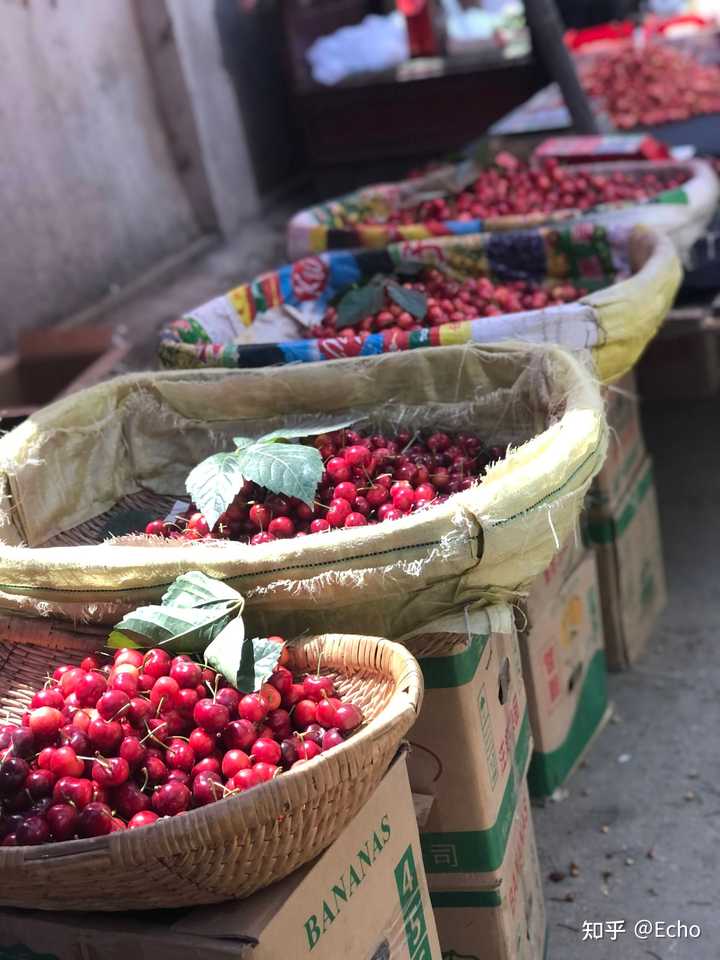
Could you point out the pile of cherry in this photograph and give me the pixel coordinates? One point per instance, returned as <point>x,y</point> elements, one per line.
<point>453,301</point>
<point>652,85</point>
<point>367,480</point>
<point>115,747</point>
<point>511,187</point>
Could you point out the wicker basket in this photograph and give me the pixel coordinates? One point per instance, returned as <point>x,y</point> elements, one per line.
<point>236,846</point>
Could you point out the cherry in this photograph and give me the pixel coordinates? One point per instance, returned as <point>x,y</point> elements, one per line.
<point>199,524</point>
<point>306,749</point>
<point>289,752</point>
<point>164,692</point>
<point>43,758</point>
<point>172,798</point>
<point>282,528</point>
<point>50,697</point>
<point>319,526</point>
<point>69,680</point>
<point>181,776</point>
<point>22,742</point>
<point>125,682</point>
<point>326,712</point>
<point>348,717</point>
<point>64,762</point>
<point>186,673</point>
<point>39,783</point>
<point>95,820</point>
<point>234,761</point>
<point>180,755</point>
<point>332,738</point>
<point>155,528</point>
<point>32,831</point>
<point>128,799</point>
<point>282,680</point>
<point>305,713</point>
<point>110,771</point>
<point>73,790</point>
<point>262,538</point>
<point>72,736</point>
<point>355,520</point>
<point>157,663</point>
<point>265,750</point>
<point>293,696</point>
<point>357,456</point>
<point>206,765</point>
<point>338,469</point>
<point>265,771</point>
<point>280,724</point>
<point>207,788</point>
<point>317,687</point>
<point>104,735</point>
<point>185,700</point>
<point>314,732</point>
<point>244,780</point>
<point>211,717</point>
<point>345,491</point>
<point>252,707</point>
<point>202,742</point>
<point>46,721</point>
<point>260,516</point>
<point>113,704</point>
<point>129,655</point>
<point>142,819</point>
<point>61,819</point>
<point>89,687</point>
<point>239,734</point>
<point>155,770</point>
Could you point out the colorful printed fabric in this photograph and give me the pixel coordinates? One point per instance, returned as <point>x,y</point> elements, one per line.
<point>217,332</point>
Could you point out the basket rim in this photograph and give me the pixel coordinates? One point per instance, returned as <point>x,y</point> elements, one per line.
<point>275,798</point>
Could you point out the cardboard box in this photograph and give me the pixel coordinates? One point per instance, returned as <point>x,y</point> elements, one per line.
<point>366,896</point>
<point>626,447</point>
<point>53,362</point>
<point>471,743</point>
<point>506,922</point>
<point>563,660</point>
<point>630,568</point>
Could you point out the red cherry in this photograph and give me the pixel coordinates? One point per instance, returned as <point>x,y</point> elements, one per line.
<point>61,819</point>
<point>113,705</point>
<point>280,724</point>
<point>199,524</point>
<point>39,783</point>
<point>155,528</point>
<point>142,819</point>
<point>89,687</point>
<point>326,712</point>
<point>229,698</point>
<point>110,772</point>
<point>244,780</point>
<point>155,770</point>
<point>253,708</point>
<point>319,526</point>
<point>157,663</point>
<point>332,738</point>
<point>345,491</point>
<point>266,750</point>
<point>73,790</point>
<point>234,761</point>
<point>265,771</point>
<point>171,798</point>
<point>305,712</point>
<point>338,512</point>
<point>207,788</point>
<point>282,528</point>
<point>138,711</point>
<point>128,799</point>
<point>307,749</point>
<point>260,516</point>
<point>239,734</point>
<point>180,755</point>
<point>95,820</point>
<point>206,765</point>
<point>185,673</point>
<point>135,658</point>
<point>104,735</point>
<point>65,763</point>
<point>51,697</point>
<point>202,742</point>
<point>212,717</point>
<point>126,682</point>
<point>348,717</point>
<point>45,722</point>
<point>317,687</point>
<point>32,831</point>
<point>164,692</point>
<point>70,679</point>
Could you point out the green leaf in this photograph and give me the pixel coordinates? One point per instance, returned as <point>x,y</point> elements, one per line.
<point>413,301</point>
<point>244,663</point>
<point>214,483</point>
<point>311,430</point>
<point>410,268</point>
<point>182,629</point>
<point>117,640</point>
<point>359,303</point>
<point>196,589</point>
<point>288,468</point>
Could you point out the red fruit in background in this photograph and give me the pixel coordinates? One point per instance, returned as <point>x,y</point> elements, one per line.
<point>185,700</point>
<point>357,456</point>
<point>135,658</point>
<point>43,758</point>
<point>71,736</point>
<point>338,469</point>
<point>45,722</point>
<point>212,717</point>
<point>62,819</point>
<point>314,732</point>
<point>95,820</point>
<point>180,776</point>
<point>282,680</point>
<point>172,798</point>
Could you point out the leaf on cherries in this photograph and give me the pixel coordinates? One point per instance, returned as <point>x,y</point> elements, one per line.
<point>196,589</point>
<point>414,301</point>
<point>245,662</point>
<point>291,469</point>
<point>360,302</point>
<point>213,484</point>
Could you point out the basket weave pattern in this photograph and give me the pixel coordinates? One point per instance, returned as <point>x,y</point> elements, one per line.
<point>236,846</point>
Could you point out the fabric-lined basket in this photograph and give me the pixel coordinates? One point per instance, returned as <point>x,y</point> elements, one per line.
<point>632,275</point>
<point>233,847</point>
<point>343,223</point>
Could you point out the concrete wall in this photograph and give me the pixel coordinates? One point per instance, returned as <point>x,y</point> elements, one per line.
<point>89,194</point>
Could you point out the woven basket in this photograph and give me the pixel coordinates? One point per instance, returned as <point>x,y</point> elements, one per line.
<point>236,846</point>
